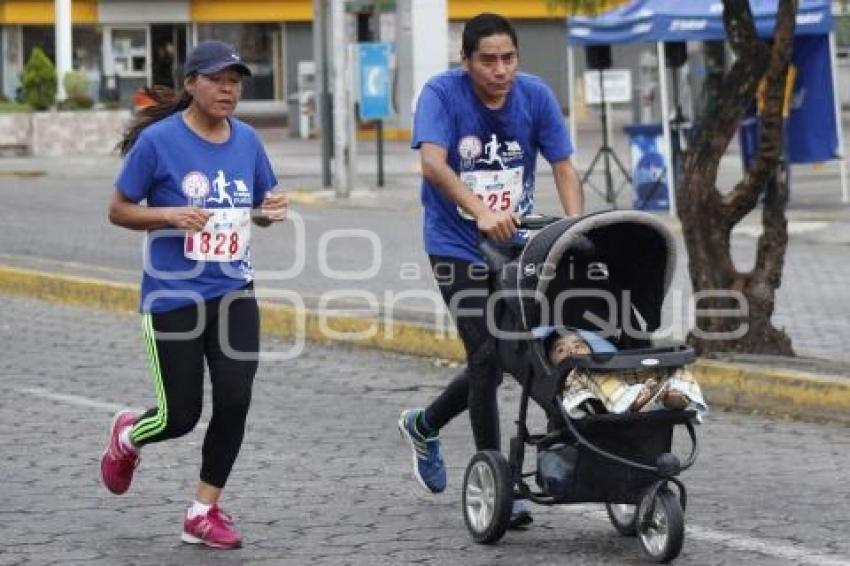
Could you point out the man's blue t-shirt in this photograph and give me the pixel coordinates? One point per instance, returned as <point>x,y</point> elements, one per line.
<point>487,148</point>
<point>170,165</point>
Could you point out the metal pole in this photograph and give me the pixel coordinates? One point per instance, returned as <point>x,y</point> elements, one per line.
<point>571,97</point>
<point>342,184</point>
<point>376,36</point>
<point>352,63</point>
<point>839,123</point>
<point>610,197</point>
<point>64,45</point>
<point>665,128</point>
<point>323,99</point>
<point>380,137</point>
<point>111,82</point>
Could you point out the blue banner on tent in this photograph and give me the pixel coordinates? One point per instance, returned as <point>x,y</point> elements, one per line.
<point>374,80</point>
<point>811,134</point>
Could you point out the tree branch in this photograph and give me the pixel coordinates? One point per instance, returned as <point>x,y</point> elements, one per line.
<point>744,197</point>
<point>721,117</point>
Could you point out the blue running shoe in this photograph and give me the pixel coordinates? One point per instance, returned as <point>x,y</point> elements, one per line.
<point>428,466</point>
<point>520,515</point>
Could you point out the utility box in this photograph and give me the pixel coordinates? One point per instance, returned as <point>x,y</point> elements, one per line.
<point>303,121</point>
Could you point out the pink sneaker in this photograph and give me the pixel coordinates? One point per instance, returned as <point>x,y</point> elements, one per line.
<point>117,463</point>
<point>214,529</point>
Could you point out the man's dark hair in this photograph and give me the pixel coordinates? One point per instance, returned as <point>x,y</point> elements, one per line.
<point>485,25</point>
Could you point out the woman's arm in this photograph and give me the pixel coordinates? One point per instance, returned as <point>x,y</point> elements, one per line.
<point>274,208</point>
<point>124,212</point>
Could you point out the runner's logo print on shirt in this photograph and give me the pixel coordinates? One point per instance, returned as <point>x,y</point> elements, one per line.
<point>469,148</point>
<point>196,187</point>
<point>492,148</point>
<point>493,178</point>
<point>237,197</point>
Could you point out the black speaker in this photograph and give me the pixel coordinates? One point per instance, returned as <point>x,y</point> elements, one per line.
<point>598,57</point>
<point>675,54</point>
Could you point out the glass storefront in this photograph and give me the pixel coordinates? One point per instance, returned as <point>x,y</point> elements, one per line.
<point>260,47</point>
<point>87,56</point>
<point>38,36</point>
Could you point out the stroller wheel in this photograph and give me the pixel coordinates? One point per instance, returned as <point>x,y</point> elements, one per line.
<point>660,526</point>
<point>487,496</point>
<point>622,516</point>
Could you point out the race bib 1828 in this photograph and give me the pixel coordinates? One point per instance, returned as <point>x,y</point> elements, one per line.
<point>224,238</point>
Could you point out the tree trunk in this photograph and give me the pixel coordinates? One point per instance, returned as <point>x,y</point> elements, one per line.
<point>708,215</point>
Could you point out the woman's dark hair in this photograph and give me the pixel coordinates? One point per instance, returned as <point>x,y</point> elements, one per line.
<point>166,103</point>
<point>485,25</point>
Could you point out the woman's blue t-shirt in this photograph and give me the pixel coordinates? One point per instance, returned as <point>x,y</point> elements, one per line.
<point>478,140</point>
<point>168,161</point>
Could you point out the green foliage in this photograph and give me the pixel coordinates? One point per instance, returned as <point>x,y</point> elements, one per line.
<point>582,7</point>
<point>76,85</point>
<point>39,81</point>
<point>9,106</point>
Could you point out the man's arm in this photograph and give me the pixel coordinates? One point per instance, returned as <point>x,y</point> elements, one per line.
<point>499,225</point>
<point>569,189</point>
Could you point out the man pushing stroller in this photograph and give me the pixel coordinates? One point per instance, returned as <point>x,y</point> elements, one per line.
<point>470,189</point>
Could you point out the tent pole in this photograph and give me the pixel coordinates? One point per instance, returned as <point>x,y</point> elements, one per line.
<point>665,128</point>
<point>571,98</point>
<point>839,122</point>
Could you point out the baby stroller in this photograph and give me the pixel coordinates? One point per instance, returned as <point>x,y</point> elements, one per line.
<point>607,272</point>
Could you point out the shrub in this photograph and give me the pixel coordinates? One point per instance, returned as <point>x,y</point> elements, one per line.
<point>76,85</point>
<point>39,81</point>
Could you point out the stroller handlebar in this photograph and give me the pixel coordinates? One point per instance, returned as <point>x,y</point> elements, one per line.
<point>496,254</point>
<point>536,221</point>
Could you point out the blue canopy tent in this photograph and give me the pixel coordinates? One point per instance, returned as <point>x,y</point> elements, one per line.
<point>815,109</point>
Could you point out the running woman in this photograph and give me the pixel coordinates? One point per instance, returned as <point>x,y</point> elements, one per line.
<point>470,188</point>
<point>204,177</point>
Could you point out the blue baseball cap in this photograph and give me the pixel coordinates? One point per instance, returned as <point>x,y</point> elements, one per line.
<point>210,57</point>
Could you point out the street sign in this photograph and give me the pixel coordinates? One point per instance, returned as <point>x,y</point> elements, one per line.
<point>617,84</point>
<point>374,75</point>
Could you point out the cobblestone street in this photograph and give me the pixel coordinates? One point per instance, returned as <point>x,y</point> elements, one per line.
<point>323,477</point>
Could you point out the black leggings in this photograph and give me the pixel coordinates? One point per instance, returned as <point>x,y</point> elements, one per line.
<point>177,367</point>
<point>477,385</point>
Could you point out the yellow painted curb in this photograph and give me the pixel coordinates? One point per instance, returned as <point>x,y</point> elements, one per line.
<point>736,386</point>
<point>773,391</point>
<point>69,289</point>
<point>309,197</point>
<point>280,321</point>
<point>395,134</point>
<point>22,173</point>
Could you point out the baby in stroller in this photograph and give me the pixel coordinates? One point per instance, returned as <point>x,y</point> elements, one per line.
<point>627,391</point>
<point>578,309</point>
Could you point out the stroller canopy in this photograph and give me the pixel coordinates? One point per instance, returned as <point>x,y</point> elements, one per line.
<point>608,272</point>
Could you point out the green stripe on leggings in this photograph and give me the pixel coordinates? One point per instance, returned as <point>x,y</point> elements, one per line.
<point>151,426</point>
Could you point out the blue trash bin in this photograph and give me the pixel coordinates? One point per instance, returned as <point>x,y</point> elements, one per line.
<point>649,169</point>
